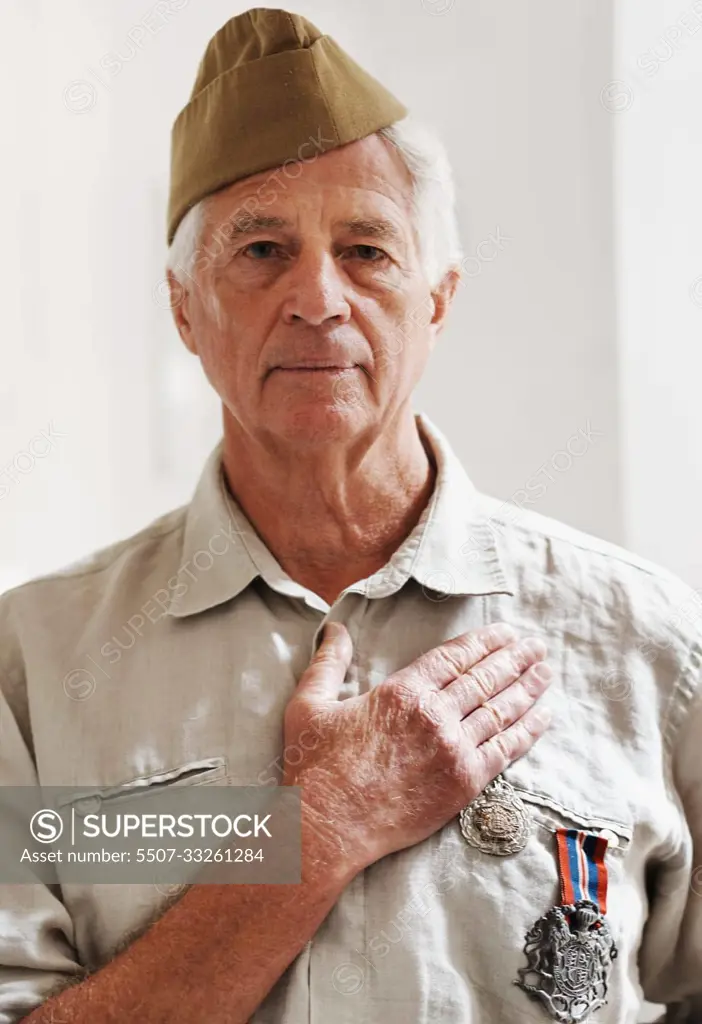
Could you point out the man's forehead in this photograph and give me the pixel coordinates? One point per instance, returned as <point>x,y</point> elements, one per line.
<point>367,174</point>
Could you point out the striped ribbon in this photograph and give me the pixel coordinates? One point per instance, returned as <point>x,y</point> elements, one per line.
<point>581,859</point>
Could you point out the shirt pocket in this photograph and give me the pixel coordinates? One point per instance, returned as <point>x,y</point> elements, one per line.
<point>495,900</point>
<point>547,817</point>
<point>534,871</point>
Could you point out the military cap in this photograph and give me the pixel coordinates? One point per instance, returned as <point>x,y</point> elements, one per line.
<point>269,85</point>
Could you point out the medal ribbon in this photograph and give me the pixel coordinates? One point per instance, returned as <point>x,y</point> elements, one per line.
<point>581,861</point>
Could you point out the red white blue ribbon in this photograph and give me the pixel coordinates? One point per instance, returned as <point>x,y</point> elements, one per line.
<point>581,859</point>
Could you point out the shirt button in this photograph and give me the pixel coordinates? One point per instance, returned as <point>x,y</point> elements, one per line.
<point>611,837</point>
<point>88,805</point>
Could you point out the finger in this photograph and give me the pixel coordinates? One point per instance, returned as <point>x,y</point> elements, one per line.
<point>325,673</point>
<point>510,705</point>
<point>440,666</point>
<point>493,674</point>
<point>505,747</point>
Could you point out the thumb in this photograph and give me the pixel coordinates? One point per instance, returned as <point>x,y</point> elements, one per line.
<point>325,673</point>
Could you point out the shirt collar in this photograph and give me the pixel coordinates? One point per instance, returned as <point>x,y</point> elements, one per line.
<point>455,549</point>
<point>451,550</point>
<point>214,562</point>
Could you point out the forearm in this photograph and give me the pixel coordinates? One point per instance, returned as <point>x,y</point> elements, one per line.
<point>215,954</point>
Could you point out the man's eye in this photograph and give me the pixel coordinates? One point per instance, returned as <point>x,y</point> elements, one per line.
<point>259,250</point>
<point>369,253</point>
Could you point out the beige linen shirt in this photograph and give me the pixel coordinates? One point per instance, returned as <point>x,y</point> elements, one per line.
<point>169,659</point>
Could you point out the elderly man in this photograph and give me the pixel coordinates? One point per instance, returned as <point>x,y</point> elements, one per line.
<point>468,853</point>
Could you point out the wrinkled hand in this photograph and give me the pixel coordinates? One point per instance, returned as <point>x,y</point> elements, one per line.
<point>388,768</point>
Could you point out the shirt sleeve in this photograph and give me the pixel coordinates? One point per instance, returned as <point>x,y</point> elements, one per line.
<point>37,955</point>
<point>671,953</point>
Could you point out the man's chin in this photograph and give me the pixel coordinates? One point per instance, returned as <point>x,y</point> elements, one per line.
<point>317,422</point>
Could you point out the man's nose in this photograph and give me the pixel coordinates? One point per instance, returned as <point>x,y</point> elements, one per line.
<point>316,290</point>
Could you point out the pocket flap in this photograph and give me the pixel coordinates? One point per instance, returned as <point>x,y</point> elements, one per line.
<point>552,815</point>
<point>192,773</point>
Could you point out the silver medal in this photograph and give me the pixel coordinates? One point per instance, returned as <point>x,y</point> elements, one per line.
<point>496,822</point>
<point>569,950</point>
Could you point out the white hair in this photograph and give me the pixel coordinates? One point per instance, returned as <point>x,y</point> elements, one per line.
<point>433,204</point>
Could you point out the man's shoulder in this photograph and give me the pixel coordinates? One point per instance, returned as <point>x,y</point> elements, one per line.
<point>151,546</point>
<point>584,567</point>
<point>517,523</point>
<point>48,614</point>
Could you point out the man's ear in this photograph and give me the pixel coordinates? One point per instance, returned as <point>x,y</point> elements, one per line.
<point>443,296</point>
<point>180,307</point>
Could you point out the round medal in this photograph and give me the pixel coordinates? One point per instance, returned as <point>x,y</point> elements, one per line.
<point>496,822</point>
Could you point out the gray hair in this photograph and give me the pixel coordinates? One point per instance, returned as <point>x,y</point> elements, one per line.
<point>433,204</point>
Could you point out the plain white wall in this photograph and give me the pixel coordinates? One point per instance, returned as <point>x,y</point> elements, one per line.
<point>529,359</point>
<point>658,88</point>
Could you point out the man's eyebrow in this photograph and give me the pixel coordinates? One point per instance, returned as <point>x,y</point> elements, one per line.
<point>379,228</point>
<point>248,223</point>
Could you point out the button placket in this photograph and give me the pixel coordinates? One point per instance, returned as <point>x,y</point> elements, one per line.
<point>337,969</point>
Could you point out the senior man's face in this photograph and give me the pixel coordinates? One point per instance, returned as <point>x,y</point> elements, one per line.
<point>308,305</point>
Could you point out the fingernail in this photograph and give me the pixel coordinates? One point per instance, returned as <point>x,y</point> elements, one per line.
<point>543,671</point>
<point>534,645</point>
<point>504,633</point>
<point>543,714</point>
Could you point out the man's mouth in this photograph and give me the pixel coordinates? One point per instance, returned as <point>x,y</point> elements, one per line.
<point>317,367</point>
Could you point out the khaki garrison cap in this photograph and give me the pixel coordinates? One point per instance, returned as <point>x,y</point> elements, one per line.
<point>269,83</point>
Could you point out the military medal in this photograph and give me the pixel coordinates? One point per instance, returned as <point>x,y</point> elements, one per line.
<point>570,949</point>
<point>497,821</point>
